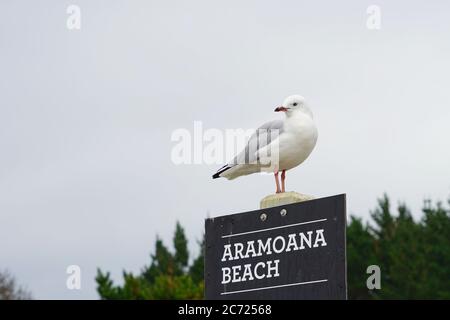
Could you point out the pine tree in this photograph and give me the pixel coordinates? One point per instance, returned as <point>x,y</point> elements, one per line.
<point>436,233</point>
<point>181,257</point>
<point>162,262</point>
<point>360,254</point>
<point>168,276</point>
<point>197,268</point>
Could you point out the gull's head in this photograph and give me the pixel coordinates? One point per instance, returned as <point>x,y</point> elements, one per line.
<point>294,104</point>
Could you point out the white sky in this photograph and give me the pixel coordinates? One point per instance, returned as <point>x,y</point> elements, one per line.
<point>86,117</point>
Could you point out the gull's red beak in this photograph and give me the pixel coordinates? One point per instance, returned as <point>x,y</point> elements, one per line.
<point>280,109</point>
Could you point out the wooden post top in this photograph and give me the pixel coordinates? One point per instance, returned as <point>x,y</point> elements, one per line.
<point>280,199</point>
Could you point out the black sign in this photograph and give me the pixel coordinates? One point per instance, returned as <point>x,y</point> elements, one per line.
<point>295,251</point>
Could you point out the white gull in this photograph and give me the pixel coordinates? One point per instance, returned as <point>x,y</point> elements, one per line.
<point>291,139</point>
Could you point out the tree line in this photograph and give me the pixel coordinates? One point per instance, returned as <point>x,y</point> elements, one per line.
<point>413,256</point>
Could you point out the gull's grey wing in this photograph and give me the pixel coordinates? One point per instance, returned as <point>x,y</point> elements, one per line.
<point>262,137</point>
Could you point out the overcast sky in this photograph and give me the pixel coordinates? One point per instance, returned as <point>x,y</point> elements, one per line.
<point>86,118</point>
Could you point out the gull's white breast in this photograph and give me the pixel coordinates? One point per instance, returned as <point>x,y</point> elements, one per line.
<point>297,141</point>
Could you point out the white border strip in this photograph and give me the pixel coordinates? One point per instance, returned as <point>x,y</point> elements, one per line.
<point>280,227</point>
<point>273,287</point>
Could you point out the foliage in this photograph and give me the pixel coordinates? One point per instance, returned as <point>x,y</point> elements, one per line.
<point>169,276</point>
<point>9,290</point>
<point>414,257</point>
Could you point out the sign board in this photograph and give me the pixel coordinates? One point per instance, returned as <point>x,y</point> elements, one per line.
<point>294,251</point>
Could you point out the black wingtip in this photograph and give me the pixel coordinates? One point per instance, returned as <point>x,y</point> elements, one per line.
<point>221,170</point>
<point>216,175</point>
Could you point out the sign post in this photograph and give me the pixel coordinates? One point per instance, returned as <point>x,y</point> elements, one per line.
<point>294,251</point>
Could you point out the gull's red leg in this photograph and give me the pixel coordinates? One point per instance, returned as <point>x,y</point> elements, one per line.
<point>283,177</point>
<point>277,182</point>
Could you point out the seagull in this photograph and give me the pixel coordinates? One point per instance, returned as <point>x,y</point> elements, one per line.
<point>292,138</point>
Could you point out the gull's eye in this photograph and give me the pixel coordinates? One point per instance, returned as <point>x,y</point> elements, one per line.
<point>294,104</point>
